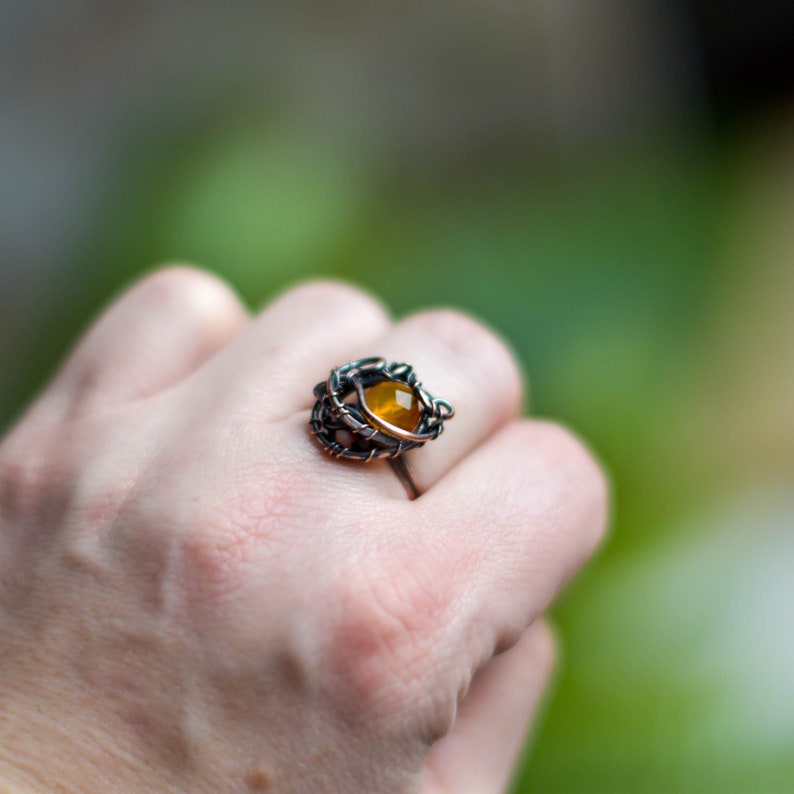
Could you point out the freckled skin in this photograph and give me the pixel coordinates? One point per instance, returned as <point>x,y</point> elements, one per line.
<point>259,780</point>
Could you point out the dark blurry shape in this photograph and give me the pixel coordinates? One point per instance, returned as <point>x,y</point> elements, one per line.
<point>748,54</point>
<point>255,137</point>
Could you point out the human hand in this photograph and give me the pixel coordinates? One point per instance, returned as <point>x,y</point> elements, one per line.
<point>195,598</point>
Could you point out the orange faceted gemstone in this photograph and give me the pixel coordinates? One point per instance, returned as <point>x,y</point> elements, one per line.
<point>395,403</point>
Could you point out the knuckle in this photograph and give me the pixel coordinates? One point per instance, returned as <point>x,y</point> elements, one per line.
<point>480,347</point>
<point>203,293</point>
<point>385,639</point>
<point>344,300</point>
<point>456,330</point>
<point>582,472</point>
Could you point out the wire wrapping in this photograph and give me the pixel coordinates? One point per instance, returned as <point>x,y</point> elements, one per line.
<point>346,427</point>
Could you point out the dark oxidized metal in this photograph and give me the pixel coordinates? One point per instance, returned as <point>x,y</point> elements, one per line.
<point>346,426</point>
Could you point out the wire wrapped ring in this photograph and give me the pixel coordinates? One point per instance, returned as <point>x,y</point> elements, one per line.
<point>368,409</point>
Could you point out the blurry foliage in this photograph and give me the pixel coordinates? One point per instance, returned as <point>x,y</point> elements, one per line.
<point>599,272</point>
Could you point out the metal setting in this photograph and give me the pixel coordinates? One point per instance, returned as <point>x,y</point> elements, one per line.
<point>347,427</point>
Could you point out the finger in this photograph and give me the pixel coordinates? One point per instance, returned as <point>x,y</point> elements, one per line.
<point>460,359</point>
<point>533,502</point>
<point>456,358</point>
<point>479,753</point>
<point>293,344</point>
<point>152,337</point>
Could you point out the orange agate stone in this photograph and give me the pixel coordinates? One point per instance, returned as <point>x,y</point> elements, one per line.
<point>395,403</point>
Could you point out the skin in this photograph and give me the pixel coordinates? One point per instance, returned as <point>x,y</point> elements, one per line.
<point>195,598</point>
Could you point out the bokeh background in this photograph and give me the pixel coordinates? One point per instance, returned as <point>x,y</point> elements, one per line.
<point>610,183</point>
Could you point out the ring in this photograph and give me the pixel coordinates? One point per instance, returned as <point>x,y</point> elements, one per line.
<point>368,409</point>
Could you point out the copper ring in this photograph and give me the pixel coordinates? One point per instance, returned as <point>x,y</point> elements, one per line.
<point>368,409</point>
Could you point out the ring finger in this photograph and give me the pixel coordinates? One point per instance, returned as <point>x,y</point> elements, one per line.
<point>458,359</point>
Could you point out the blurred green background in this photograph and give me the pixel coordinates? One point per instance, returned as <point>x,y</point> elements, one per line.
<point>610,183</point>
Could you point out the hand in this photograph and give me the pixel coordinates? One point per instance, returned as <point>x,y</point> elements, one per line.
<point>195,598</point>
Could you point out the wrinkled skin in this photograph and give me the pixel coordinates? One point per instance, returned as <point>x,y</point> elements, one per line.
<point>195,598</point>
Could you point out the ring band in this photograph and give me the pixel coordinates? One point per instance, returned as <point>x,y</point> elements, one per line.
<point>368,409</point>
